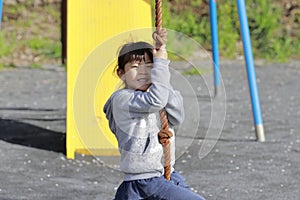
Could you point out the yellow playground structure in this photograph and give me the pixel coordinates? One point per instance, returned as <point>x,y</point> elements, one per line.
<point>95,31</point>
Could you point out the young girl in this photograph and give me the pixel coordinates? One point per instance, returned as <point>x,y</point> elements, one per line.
<point>133,115</point>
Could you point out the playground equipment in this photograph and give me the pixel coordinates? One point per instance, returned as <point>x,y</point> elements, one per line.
<point>257,116</point>
<point>0,13</point>
<point>88,84</point>
<point>214,42</point>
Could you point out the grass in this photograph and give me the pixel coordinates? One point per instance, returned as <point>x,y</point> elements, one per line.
<point>30,36</point>
<point>44,46</point>
<point>6,46</point>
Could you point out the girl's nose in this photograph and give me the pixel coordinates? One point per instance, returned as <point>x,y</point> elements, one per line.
<point>141,69</point>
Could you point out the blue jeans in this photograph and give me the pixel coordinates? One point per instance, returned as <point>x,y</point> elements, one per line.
<point>156,188</point>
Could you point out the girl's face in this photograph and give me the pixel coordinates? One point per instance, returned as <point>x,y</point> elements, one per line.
<point>137,75</point>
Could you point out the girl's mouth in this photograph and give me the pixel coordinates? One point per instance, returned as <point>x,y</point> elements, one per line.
<point>143,80</point>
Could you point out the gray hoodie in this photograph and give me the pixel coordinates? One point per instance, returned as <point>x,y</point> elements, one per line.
<point>134,119</point>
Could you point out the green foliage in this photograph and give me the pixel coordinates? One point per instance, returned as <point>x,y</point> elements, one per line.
<point>272,37</point>
<point>228,29</point>
<point>188,22</point>
<point>268,39</point>
<point>52,11</point>
<point>45,46</point>
<point>269,36</point>
<point>30,34</point>
<point>15,10</point>
<point>6,46</point>
<point>53,50</point>
<point>37,43</point>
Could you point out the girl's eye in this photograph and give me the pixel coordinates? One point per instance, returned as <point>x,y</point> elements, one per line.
<point>149,65</point>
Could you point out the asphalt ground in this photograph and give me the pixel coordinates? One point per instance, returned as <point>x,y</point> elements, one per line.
<point>32,137</point>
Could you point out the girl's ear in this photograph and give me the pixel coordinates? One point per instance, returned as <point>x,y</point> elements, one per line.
<point>121,73</point>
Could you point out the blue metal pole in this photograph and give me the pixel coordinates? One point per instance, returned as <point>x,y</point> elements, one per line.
<point>214,42</point>
<point>0,13</point>
<point>260,136</point>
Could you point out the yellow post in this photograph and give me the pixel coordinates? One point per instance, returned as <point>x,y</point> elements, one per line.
<point>93,37</point>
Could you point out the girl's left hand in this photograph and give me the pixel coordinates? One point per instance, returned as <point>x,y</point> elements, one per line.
<point>161,52</point>
<point>160,37</point>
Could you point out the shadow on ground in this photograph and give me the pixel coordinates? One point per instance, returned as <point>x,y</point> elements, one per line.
<point>16,132</point>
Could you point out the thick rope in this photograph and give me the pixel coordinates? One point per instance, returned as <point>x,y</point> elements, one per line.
<point>164,134</point>
<point>164,140</point>
<point>158,14</point>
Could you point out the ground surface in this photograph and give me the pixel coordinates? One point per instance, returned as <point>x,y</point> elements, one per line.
<point>32,139</point>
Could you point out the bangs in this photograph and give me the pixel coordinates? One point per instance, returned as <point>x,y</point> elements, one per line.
<point>135,56</point>
<point>134,52</point>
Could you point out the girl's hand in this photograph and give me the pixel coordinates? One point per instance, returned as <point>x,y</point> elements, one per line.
<point>161,52</point>
<point>160,37</point>
<point>164,135</point>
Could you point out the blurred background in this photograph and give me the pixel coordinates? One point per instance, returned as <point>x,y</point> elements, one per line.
<point>32,31</point>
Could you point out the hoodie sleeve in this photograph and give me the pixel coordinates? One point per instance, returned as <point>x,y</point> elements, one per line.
<point>109,114</point>
<point>139,103</point>
<point>175,108</point>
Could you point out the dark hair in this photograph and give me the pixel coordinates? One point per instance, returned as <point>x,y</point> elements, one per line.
<point>133,51</point>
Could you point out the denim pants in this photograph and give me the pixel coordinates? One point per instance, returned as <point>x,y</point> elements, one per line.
<point>156,188</point>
